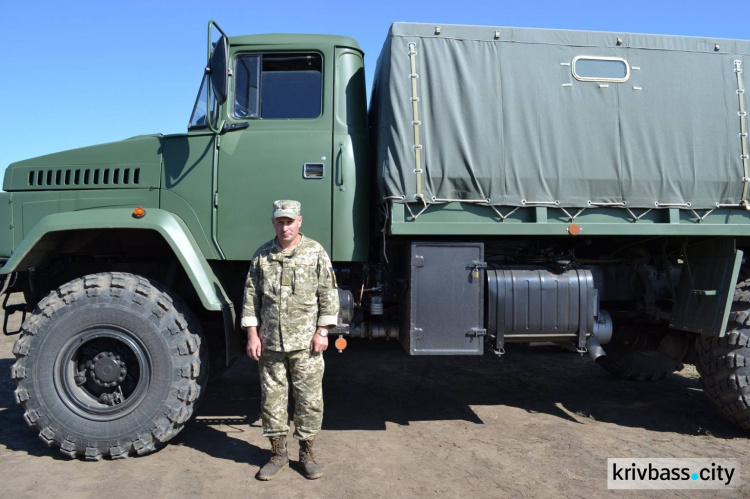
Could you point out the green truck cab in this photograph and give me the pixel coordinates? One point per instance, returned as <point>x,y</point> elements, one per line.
<point>506,186</point>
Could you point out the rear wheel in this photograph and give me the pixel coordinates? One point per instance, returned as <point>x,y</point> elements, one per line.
<point>724,363</point>
<point>649,365</point>
<point>109,365</point>
<point>630,355</point>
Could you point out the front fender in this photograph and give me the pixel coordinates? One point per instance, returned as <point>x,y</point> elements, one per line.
<point>172,229</point>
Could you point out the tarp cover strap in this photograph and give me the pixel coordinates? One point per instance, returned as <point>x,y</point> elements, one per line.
<point>743,131</point>
<point>415,121</point>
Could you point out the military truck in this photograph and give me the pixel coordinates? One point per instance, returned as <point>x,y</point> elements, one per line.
<point>508,185</point>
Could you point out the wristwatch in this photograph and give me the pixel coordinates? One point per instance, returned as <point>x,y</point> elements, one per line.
<point>322,332</point>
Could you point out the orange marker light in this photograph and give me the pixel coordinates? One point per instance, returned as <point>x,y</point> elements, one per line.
<point>574,229</point>
<point>340,344</point>
<point>139,212</point>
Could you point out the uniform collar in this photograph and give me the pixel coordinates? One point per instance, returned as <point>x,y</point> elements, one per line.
<point>278,251</point>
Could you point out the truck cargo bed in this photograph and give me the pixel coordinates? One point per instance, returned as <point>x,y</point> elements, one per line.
<point>509,117</point>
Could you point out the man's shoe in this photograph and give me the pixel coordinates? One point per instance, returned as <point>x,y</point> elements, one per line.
<point>279,460</point>
<point>310,467</point>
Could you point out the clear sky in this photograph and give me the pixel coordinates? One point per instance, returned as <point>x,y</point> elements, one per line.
<point>82,72</point>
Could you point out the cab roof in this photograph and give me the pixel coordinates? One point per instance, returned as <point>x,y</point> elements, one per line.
<point>293,39</point>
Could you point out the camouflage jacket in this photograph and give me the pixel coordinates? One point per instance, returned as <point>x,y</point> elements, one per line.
<point>289,294</point>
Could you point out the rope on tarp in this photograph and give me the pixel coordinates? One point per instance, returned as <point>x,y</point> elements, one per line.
<point>702,218</point>
<point>743,131</point>
<point>685,205</point>
<point>413,216</point>
<point>729,205</point>
<point>619,204</point>
<point>550,204</point>
<point>412,53</point>
<point>638,217</point>
<point>525,202</point>
<point>385,212</point>
<point>572,217</point>
<point>503,217</point>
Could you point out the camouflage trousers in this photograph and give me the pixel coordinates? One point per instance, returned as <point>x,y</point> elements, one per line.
<point>305,371</point>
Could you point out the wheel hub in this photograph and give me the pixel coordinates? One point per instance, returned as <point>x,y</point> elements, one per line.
<point>107,370</point>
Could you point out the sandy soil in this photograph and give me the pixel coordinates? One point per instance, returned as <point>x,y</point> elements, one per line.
<point>538,422</point>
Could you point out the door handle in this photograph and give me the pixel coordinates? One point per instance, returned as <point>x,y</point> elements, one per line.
<point>340,164</point>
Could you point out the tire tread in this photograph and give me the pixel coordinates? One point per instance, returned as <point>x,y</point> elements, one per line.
<point>724,362</point>
<point>179,329</point>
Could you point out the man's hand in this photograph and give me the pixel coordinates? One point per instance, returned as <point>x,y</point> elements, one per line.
<point>319,343</point>
<point>253,343</point>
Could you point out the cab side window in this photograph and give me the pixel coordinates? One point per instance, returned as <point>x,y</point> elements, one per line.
<point>278,86</point>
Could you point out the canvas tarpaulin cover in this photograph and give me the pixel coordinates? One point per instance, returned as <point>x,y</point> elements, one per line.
<point>504,120</point>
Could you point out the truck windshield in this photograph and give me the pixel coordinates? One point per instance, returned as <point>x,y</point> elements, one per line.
<point>278,86</point>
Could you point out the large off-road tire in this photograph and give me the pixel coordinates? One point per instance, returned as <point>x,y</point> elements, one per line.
<point>108,365</point>
<point>627,363</point>
<point>724,363</point>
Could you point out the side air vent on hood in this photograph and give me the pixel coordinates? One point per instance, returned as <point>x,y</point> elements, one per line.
<point>84,177</point>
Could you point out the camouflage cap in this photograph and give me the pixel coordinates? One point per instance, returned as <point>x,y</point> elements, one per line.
<point>286,208</point>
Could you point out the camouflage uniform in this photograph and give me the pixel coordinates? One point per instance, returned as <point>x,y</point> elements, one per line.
<point>288,294</point>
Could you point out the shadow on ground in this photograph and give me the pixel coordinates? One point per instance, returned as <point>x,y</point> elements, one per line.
<point>15,434</point>
<point>373,383</point>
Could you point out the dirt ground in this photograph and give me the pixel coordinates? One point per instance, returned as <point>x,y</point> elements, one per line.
<point>538,422</point>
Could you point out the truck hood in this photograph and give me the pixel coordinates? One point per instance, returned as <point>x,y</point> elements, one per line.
<point>130,163</point>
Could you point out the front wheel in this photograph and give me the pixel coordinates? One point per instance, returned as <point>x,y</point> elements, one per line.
<point>109,365</point>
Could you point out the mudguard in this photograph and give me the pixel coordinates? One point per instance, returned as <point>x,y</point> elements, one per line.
<point>172,229</point>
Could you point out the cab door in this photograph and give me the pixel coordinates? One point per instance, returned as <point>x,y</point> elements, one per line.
<point>277,146</point>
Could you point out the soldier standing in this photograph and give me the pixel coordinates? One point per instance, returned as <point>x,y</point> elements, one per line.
<point>290,302</point>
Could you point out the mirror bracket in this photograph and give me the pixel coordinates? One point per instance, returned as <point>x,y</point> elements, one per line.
<point>217,69</point>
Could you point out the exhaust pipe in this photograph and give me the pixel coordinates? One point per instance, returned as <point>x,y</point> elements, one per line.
<point>602,333</point>
<point>595,349</point>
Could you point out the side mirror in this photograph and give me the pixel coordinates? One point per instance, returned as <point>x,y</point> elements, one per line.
<point>218,65</point>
